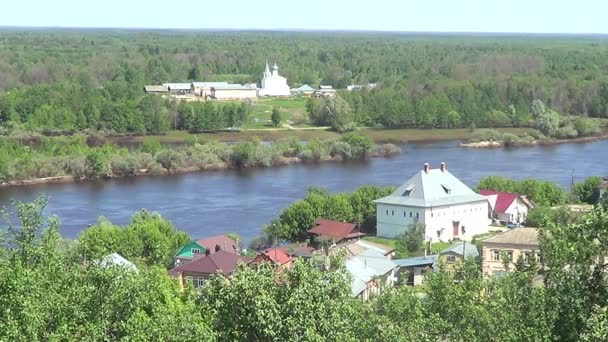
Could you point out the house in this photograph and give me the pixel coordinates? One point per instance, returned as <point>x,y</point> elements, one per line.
<point>275,255</point>
<point>156,89</point>
<point>325,91</point>
<point>357,247</point>
<point>274,84</point>
<point>117,260</point>
<point>511,245</point>
<point>234,92</point>
<point>209,245</point>
<point>603,186</point>
<point>333,232</point>
<point>204,266</point>
<point>507,207</point>
<point>371,272</point>
<point>203,89</point>
<point>303,90</point>
<point>359,86</point>
<point>178,88</point>
<point>435,198</point>
<point>416,267</point>
<point>456,253</point>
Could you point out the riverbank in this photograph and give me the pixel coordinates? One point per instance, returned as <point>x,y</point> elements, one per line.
<point>280,162</point>
<point>394,136</point>
<point>501,144</point>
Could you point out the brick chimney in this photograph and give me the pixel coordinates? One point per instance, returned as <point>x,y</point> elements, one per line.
<point>427,167</point>
<point>443,167</point>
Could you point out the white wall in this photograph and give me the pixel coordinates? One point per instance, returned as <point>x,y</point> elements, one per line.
<point>514,208</point>
<point>221,94</point>
<point>473,216</point>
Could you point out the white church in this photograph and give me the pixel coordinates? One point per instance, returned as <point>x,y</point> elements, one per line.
<point>274,84</point>
<point>434,197</point>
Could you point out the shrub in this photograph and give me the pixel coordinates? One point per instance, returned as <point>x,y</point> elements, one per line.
<point>566,132</point>
<point>360,145</point>
<point>170,159</point>
<point>340,149</point>
<point>151,146</point>
<point>242,154</point>
<point>485,134</point>
<point>386,150</point>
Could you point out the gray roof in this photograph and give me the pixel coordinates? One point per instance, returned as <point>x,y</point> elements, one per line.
<point>235,87</point>
<point>116,259</point>
<point>155,88</point>
<point>365,266</point>
<point>432,189</point>
<point>428,260</point>
<point>208,84</point>
<point>518,236</point>
<point>470,250</point>
<point>177,86</point>
<point>303,88</point>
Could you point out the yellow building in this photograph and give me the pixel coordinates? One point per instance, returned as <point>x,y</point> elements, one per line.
<point>512,244</point>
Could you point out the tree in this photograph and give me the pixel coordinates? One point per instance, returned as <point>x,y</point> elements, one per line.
<point>588,191</point>
<point>338,114</point>
<point>411,239</point>
<point>275,116</point>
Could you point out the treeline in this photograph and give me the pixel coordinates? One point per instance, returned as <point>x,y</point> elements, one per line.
<point>70,80</point>
<point>81,157</point>
<point>49,290</point>
<point>117,107</point>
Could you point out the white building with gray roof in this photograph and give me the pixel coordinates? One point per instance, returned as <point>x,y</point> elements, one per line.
<point>434,197</point>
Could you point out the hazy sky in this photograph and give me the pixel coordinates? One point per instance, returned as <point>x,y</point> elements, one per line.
<point>538,16</point>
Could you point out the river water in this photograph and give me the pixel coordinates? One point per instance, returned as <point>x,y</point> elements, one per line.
<point>243,201</point>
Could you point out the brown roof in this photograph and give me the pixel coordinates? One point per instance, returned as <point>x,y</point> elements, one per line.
<point>219,262</point>
<point>221,242</point>
<point>604,185</point>
<point>335,229</point>
<point>519,236</point>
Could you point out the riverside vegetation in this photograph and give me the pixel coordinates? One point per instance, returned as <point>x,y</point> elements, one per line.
<point>79,157</point>
<point>52,289</point>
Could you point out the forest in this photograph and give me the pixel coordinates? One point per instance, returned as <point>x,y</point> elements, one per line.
<point>68,80</point>
<point>55,289</point>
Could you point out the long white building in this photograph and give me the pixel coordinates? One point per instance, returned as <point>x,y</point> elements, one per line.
<point>274,84</point>
<point>434,197</point>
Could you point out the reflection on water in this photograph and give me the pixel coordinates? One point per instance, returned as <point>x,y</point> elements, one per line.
<point>243,201</point>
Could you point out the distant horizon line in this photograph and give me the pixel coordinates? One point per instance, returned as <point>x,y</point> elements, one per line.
<point>304,30</point>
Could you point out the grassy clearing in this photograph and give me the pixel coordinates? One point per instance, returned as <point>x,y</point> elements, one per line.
<point>263,134</point>
<point>291,109</point>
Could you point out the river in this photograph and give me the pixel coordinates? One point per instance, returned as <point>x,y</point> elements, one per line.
<point>243,201</point>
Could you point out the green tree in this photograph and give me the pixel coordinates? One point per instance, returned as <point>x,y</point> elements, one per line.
<point>411,240</point>
<point>588,191</point>
<point>275,116</point>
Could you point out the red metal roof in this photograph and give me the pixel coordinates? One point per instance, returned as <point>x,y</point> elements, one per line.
<point>503,199</point>
<point>219,262</point>
<point>224,242</point>
<point>277,255</point>
<point>335,229</point>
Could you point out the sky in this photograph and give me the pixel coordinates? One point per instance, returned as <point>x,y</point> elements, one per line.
<point>519,16</point>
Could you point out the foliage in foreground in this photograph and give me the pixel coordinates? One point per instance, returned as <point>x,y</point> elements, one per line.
<point>47,295</point>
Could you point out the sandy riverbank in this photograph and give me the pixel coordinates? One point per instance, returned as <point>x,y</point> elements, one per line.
<point>498,144</point>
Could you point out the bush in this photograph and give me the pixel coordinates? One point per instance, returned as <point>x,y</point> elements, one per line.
<point>485,134</point>
<point>340,149</point>
<point>386,150</point>
<point>360,145</point>
<point>566,132</point>
<point>151,146</point>
<point>585,126</point>
<point>170,159</point>
<point>242,154</point>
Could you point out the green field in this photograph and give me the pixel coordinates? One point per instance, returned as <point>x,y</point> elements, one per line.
<point>293,110</point>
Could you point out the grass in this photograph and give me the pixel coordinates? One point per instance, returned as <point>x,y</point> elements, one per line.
<point>397,136</point>
<point>261,133</point>
<point>291,109</point>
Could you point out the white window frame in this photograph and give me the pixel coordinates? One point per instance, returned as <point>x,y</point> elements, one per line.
<point>200,281</point>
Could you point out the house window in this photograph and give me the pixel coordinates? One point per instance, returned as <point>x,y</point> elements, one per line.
<point>410,214</point>
<point>451,259</point>
<point>408,190</point>
<point>527,257</point>
<point>509,255</point>
<point>498,274</point>
<point>417,216</point>
<point>404,214</point>
<point>464,231</point>
<point>195,251</point>
<point>200,281</point>
<point>386,212</point>
<point>446,189</point>
<point>393,212</point>
<point>496,255</point>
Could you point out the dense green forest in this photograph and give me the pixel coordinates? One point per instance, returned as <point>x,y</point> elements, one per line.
<point>75,79</point>
<point>51,289</point>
